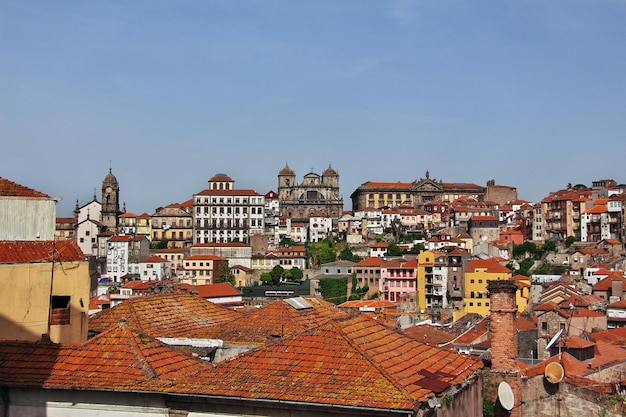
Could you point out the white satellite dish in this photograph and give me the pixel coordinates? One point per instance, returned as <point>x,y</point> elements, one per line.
<point>505,395</point>
<point>554,339</point>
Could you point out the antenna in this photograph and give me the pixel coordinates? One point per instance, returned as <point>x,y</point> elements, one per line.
<point>505,396</point>
<point>554,339</point>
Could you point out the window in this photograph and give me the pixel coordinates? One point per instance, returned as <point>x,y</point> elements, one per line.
<point>60,310</point>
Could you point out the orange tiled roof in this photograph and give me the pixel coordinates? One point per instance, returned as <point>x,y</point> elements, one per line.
<point>612,336</point>
<point>9,188</point>
<point>276,319</point>
<point>373,261</point>
<point>428,334</point>
<point>24,251</point>
<point>606,283</point>
<point>490,265</point>
<point>340,363</point>
<point>221,289</point>
<point>164,315</point>
<point>120,358</point>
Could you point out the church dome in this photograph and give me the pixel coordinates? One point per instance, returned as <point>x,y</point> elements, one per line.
<point>110,179</point>
<point>286,171</point>
<point>329,171</point>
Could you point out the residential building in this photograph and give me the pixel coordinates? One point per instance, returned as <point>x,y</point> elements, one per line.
<point>244,276</point>
<point>155,268</point>
<point>562,211</point>
<point>174,223</point>
<point>478,273</point>
<point>316,194</point>
<point>272,217</point>
<point>127,224</point>
<point>45,290</point>
<point>236,253</point>
<point>35,210</point>
<point>124,252</point>
<point>398,281</point>
<point>483,228</point>
<point>432,273</point>
<point>65,227</point>
<point>616,314</point>
<point>368,273</point>
<point>320,227</point>
<point>222,293</point>
<point>224,214</point>
<point>202,269</point>
<point>175,256</point>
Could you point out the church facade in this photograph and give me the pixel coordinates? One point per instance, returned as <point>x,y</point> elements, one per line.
<point>316,194</point>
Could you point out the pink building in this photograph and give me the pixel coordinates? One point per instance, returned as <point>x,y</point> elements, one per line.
<point>398,280</point>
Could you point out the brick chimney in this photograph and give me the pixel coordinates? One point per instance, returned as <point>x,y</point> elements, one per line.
<point>503,325</point>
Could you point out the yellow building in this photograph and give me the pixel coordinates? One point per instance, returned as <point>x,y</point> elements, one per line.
<point>431,282</point>
<point>478,273</point>
<point>45,291</point>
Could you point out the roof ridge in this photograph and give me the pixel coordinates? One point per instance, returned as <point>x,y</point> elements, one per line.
<point>146,366</point>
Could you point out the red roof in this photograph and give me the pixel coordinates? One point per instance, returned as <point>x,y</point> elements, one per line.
<point>222,289</point>
<point>274,320</point>
<point>164,315</point>
<point>489,265</point>
<point>18,251</point>
<point>339,363</point>
<point>153,259</point>
<point>118,359</point>
<point>12,189</point>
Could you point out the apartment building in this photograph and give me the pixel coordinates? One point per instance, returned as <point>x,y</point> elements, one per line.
<point>174,223</point>
<point>224,214</point>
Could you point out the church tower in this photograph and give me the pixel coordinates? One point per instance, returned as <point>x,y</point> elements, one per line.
<point>110,201</point>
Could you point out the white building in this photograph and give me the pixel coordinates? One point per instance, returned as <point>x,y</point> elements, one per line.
<point>124,254</point>
<point>155,268</point>
<point>223,214</point>
<point>320,227</point>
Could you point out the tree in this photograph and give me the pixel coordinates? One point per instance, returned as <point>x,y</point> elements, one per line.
<point>224,274</point>
<point>161,244</point>
<point>346,254</point>
<point>570,241</point>
<point>549,246</point>
<point>296,274</point>
<point>394,250</point>
<point>266,278</point>
<point>276,273</point>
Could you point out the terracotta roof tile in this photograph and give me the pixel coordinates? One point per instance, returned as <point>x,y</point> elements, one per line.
<point>9,188</point>
<point>357,361</point>
<point>118,359</point>
<point>13,251</point>
<point>222,289</point>
<point>164,315</point>
<point>276,319</point>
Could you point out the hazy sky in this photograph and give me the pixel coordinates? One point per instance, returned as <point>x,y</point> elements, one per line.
<point>169,93</point>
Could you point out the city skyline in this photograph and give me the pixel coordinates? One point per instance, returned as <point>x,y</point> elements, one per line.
<point>530,94</point>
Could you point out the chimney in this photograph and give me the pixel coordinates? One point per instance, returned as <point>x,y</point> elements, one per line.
<point>503,319</point>
<point>503,323</point>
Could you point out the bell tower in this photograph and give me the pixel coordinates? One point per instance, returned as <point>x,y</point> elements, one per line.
<point>110,201</point>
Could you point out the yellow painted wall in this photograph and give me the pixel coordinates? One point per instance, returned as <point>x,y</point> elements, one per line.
<point>477,282</point>
<point>25,300</point>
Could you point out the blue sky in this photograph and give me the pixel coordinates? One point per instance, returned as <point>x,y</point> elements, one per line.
<point>169,93</point>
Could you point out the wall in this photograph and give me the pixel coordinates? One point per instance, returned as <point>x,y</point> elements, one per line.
<point>25,317</point>
<point>27,219</point>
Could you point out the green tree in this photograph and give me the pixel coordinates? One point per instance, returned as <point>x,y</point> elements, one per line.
<point>224,274</point>
<point>570,241</point>
<point>296,274</point>
<point>549,246</point>
<point>276,273</point>
<point>346,254</point>
<point>394,250</point>
<point>334,290</point>
<point>266,278</point>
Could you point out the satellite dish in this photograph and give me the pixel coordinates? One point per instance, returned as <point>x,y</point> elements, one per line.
<point>554,339</point>
<point>505,395</point>
<point>554,372</point>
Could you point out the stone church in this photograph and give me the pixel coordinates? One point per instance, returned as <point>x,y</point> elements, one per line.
<point>316,194</point>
